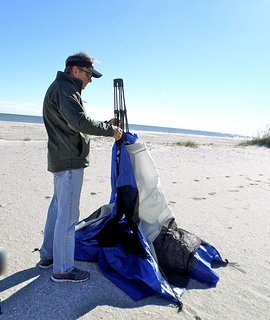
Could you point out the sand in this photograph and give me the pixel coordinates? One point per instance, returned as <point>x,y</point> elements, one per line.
<point>218,191</point>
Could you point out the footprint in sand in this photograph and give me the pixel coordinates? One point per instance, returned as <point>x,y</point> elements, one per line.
<point>212,193</point>
<point>240,187</point>
<point>195,198</point>
<point>93,193</point>
<point>233,190</point>
<point>196,180</point>
<point>227,177</point>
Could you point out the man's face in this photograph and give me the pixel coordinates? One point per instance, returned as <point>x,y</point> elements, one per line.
<point>84,74</point>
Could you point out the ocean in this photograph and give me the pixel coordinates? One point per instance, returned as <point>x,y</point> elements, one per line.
<point>132,127</point>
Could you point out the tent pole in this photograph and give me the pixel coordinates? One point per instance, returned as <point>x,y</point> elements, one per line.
<point>120,111</point>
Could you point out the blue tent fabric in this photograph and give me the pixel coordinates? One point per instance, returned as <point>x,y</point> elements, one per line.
<point>136,276</point>
<point>121,172</point>
<point>205,259</point>
<point>111,238</point>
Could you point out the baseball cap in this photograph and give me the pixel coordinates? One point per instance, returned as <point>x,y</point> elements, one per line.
<point>79,61</point>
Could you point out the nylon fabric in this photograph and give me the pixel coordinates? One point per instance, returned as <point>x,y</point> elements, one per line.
<point>119,236</point>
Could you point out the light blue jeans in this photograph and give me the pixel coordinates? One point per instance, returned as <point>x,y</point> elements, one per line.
<point>63,215</point>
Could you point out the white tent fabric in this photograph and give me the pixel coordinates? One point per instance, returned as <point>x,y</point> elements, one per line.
<point>154,211</point>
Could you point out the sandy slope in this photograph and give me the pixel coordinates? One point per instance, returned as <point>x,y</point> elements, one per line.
<point>218,191</point>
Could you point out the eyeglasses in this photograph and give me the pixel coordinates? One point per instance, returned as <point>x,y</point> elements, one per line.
<point>89,73</point>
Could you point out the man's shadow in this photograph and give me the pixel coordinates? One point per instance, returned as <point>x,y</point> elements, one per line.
<point>40,298</point>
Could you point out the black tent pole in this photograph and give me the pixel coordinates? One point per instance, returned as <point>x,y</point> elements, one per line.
<point>120,111</point>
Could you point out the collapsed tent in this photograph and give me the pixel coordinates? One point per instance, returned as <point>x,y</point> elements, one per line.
<point>135,239</point>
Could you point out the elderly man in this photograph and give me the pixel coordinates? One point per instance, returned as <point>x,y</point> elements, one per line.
<point>69,131</point>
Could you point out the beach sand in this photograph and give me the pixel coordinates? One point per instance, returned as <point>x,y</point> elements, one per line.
<point>218,191</point>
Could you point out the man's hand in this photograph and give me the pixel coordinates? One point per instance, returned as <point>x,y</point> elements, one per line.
<point>118,132</point>
<point>115,122</point>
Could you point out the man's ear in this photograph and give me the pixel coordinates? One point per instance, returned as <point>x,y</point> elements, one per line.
<point>74,70</point>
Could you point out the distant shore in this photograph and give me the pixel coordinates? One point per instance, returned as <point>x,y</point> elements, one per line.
<point>36,131</point>
<point>133,127</point>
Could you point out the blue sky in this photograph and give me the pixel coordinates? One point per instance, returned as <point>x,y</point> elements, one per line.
<point>194,64</point>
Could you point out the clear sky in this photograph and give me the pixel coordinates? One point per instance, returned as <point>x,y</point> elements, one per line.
<point>194,64</point>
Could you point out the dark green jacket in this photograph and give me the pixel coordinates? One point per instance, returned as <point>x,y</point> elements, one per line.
<point>67,126</point>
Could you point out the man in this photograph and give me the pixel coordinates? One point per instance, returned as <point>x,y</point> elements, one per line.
<point>68,130</point>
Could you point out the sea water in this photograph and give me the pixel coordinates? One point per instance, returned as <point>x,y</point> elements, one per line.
<point>132,127</point>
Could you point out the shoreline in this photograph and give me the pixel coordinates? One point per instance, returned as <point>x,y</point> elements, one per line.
<point>36,131</point>
<point>139,128</point>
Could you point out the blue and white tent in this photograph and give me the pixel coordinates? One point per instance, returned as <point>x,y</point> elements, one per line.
<point>135,239</point>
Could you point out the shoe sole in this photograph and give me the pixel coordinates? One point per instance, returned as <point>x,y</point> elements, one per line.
<point>45,267</point>
<point>68,280</point>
